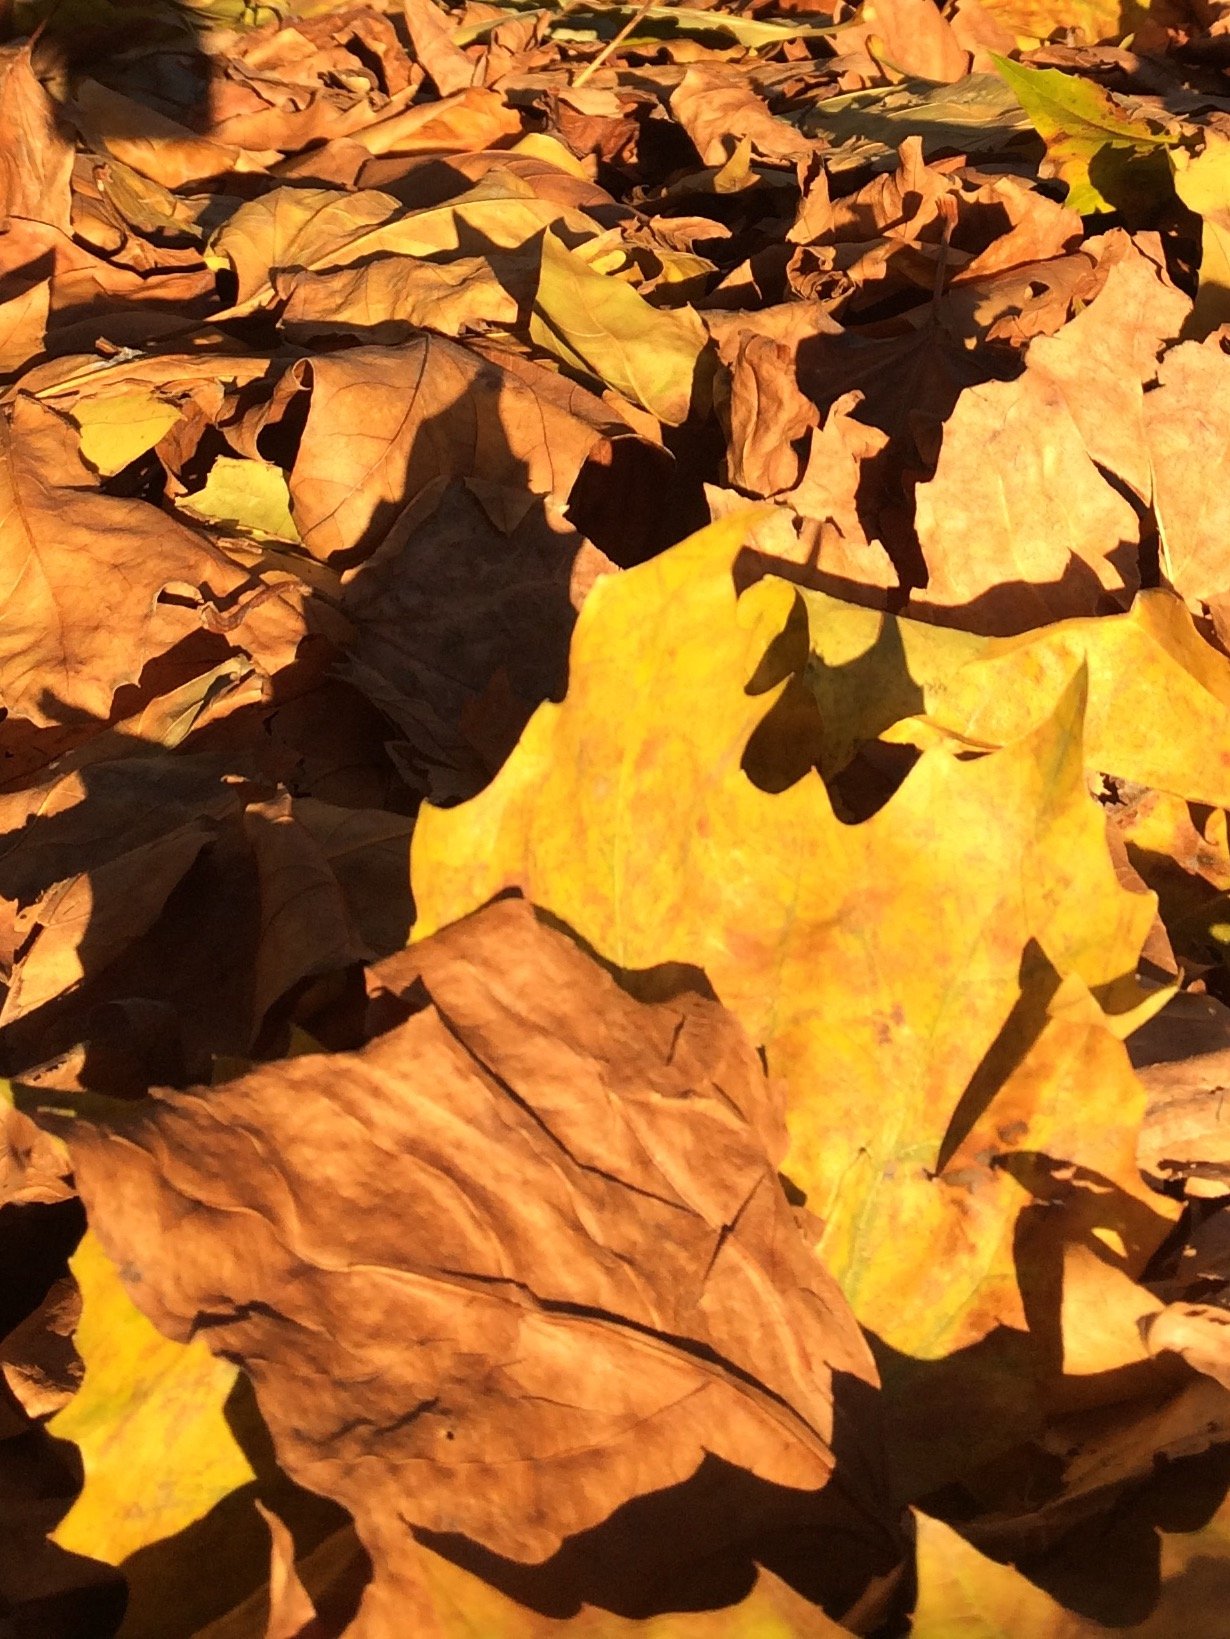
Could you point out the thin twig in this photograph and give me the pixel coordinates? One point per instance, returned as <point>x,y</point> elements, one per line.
<point>612,44</point>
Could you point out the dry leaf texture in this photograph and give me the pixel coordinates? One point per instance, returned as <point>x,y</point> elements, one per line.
<point>369,374</point>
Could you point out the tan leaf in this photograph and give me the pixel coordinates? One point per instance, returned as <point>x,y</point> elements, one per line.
<point>36,159</point>
<point>523,1260</point>
<point>155,145</point>
<point>384,423</point>
<point>1187,417</point>
<point>717,107</point>
<point>388,298</point>
<point>913,37</point>
<point>73,634</point>
<point>1018,526</point>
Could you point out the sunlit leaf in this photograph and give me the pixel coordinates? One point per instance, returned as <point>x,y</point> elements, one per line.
<point>1109,160</point>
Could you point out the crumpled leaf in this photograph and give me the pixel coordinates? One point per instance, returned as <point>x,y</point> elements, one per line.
<point>717,109</point>
<point>72,636</point>
<point>477,1343</point>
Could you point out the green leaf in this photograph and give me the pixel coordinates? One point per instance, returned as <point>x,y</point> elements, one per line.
<point>1110,161</point>
<point>602,327</point>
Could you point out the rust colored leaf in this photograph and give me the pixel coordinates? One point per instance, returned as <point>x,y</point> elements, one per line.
<point>439,1274</point>
<point>73,635</point>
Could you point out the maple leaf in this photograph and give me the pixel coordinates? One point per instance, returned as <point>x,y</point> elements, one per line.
<point>552,1359</point>
<point>972,963</point>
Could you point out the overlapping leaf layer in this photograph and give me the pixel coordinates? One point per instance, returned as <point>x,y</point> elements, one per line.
<point>615,669</point>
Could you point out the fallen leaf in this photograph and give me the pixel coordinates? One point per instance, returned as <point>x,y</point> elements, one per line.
<point>717,108</point>
<point>795,904</point>
<point>914,38</point>
<point>140,1390</point>
<point>575,1366</point>
<point>383,424</point>
<point>240,493</point>
<point>74,636</point>
<point>604,329</point>
<point>1108,160</point>
<point>37,157</point>
<point>1184,420</point>
<point>1202,182</point>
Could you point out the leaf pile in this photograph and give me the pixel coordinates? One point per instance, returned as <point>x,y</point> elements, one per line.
<point>614,852</point>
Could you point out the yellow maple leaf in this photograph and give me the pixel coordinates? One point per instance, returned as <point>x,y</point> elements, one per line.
<point>931,983</point>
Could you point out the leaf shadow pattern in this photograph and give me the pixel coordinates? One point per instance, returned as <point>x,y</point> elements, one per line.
<point>697,1546</point>
<point>232,1538</point>
<point>795,736</point>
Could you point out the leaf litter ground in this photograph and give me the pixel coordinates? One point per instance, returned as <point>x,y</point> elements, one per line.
<point>613,860</point>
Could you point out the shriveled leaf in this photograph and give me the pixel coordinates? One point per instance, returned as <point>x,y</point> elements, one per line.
<point>717,108</point>
<point>914,38</point>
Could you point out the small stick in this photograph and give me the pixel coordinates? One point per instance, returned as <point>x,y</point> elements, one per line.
<point>612,44</point>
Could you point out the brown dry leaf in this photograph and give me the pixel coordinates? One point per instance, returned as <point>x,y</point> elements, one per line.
<point>770,418</point>
<point>72,635</point>
<point>154,145</point>
<point>385,423</point>
<point>718,109</point>
<point>438,621</point>
<point>1019,525</point>
<point>387,299</point>
<point>910,37</point>
<point>1185,1136</point>
<point>1198,1332</point>
<point>36,159</point>
<point>81,925</point>
<point>480,1340</point>
<point>428,26</point>
<point>466,122</point>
